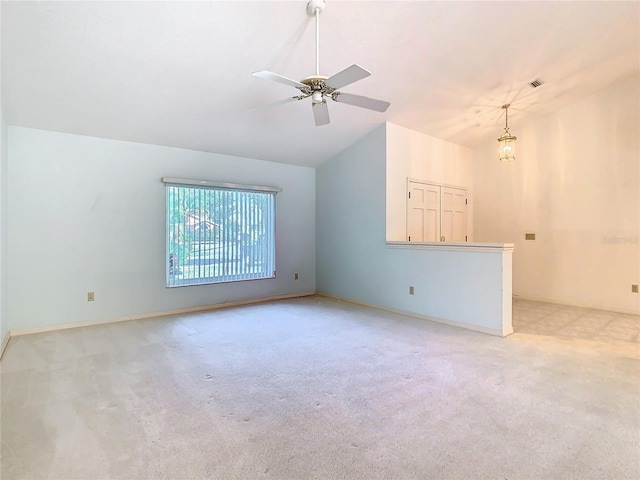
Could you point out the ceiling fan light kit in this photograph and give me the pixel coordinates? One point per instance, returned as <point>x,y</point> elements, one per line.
<point>321,88</point>
<point>507,142</point>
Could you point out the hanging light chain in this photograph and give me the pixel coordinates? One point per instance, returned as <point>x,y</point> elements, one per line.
<point>506,116</point>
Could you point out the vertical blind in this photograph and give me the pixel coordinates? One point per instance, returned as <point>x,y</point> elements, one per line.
<point>218,232</point>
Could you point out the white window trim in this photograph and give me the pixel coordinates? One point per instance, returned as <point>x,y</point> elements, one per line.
<point>230,186</point>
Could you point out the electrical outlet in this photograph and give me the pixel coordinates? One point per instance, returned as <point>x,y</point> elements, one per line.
<point>91,296</point>
<point>411,290</point>
<point>634,288</point>
<point>295,276</point>
<point>529,236</point>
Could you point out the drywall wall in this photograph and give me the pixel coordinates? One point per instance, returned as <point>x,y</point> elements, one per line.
<point>354,262</point>
<point>575,184</point>
<point>88,214</point>
<point>4,161</point>
<point>412,154</point>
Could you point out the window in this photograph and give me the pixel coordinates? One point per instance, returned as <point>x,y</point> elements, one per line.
<point>219,232</point>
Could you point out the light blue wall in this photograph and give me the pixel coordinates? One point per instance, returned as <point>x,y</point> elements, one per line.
<point>350,210</point>
<point>353,261</point>
<point>4,161</point>
<point>88,214</point>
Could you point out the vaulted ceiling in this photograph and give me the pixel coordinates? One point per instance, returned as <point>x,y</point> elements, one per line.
<point>179,73</point>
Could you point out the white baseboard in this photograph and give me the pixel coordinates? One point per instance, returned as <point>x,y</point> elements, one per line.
<point>29,331</point>
<point>64,326</point>
<point>5,342</point>
<point>467,326</point>
<point>567,303</point>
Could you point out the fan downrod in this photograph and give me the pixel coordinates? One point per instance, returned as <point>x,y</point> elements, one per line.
<point>321,88</point>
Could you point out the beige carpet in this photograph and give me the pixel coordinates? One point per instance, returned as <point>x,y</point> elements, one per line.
<point>314,388</point>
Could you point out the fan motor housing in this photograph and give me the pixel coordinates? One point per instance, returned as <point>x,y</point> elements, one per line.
<point>315,82</point>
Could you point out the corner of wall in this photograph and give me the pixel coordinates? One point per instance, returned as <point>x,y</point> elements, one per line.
<point>574,168</point>
<point>5,342</point>
<point>4,161</point>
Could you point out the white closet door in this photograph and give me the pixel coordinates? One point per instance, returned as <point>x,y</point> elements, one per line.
<point>454,214</point>
<point>423,212</point>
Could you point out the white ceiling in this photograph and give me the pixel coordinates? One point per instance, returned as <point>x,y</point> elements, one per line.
<point>179,73</point>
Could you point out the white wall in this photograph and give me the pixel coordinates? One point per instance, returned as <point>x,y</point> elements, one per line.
<point>88,214</point>
<point>353,261</point>
<point>575,184</point>
<point>412,154</point>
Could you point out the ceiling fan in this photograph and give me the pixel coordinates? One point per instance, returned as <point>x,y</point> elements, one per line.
<point>321,88</point>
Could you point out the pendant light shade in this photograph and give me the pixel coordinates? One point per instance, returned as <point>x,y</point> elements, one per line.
<point>507,148</point>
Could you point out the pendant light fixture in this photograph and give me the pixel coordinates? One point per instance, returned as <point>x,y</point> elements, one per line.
<point>507,141</point>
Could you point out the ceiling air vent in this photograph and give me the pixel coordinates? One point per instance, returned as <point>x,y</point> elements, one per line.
<point>536,83</point>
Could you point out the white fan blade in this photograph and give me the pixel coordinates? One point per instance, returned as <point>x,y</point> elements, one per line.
<point>279,102</point>
<point>266,75</point>
<point>320,113</point>
<point>360,101</point>
<point>347,76</point>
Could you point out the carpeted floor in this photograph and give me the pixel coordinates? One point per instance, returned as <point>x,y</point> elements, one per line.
<point>315,388</point>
